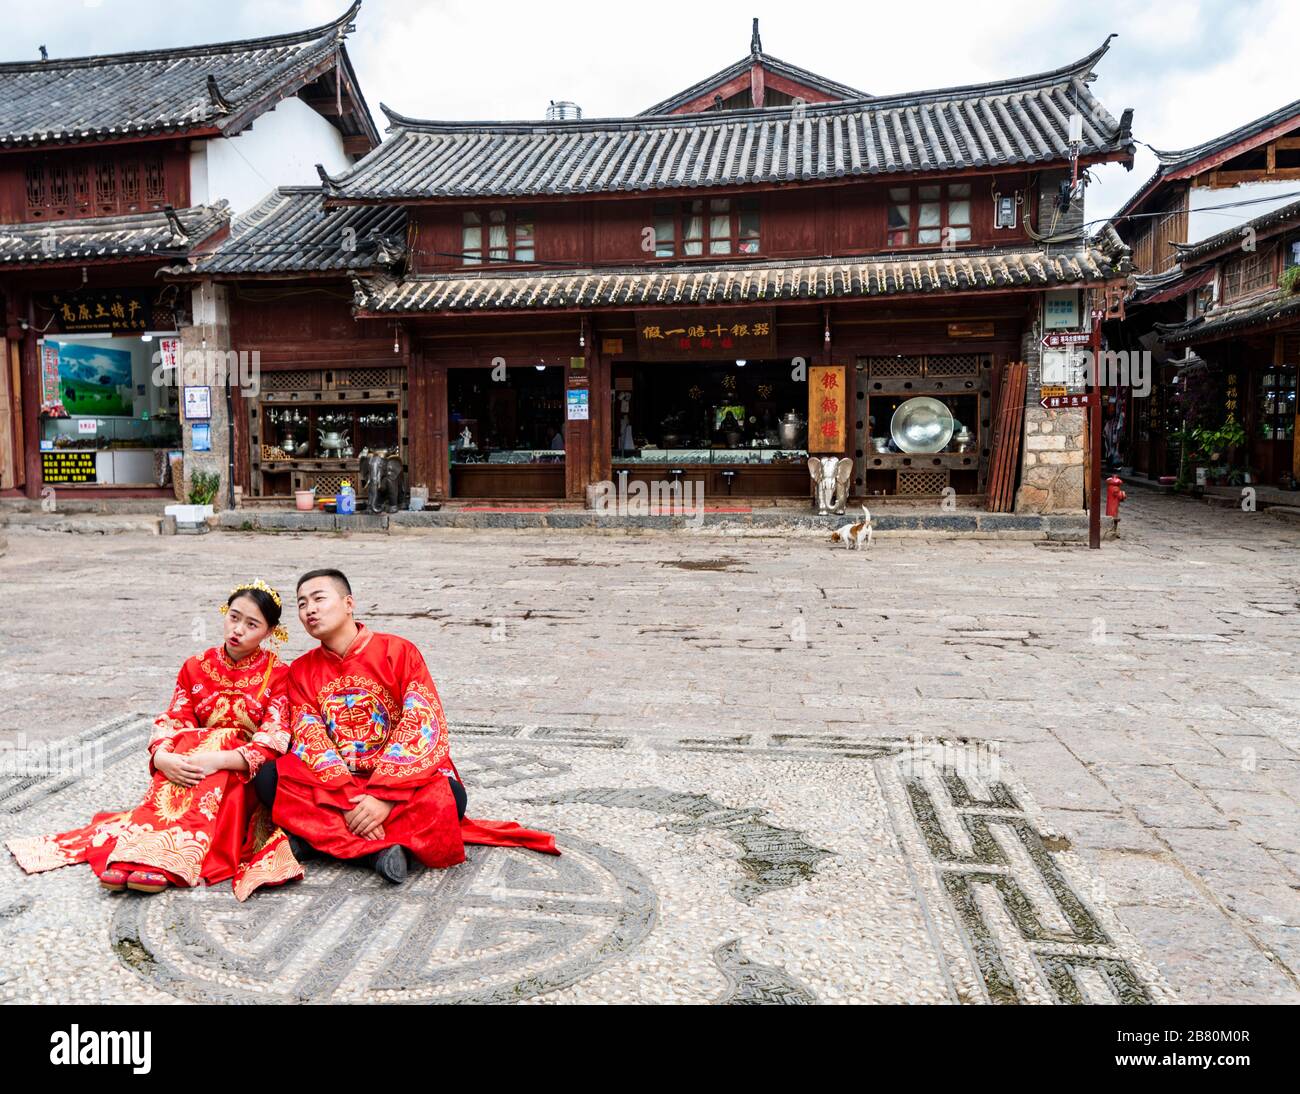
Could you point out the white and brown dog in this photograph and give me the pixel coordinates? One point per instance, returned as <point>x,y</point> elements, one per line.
<point>854,535</point>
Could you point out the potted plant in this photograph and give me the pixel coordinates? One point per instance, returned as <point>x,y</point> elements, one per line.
<point>1290,280</point>
<point>203,491</point>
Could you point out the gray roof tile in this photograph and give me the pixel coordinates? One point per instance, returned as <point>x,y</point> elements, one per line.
<point>102,239</point>
<point>291,232</point>
<point>756,282</point>
<point>1009,123</point>
<point>161,91</point>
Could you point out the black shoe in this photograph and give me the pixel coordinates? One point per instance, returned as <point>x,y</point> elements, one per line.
<point>302,850</point>
<point>391,864</point>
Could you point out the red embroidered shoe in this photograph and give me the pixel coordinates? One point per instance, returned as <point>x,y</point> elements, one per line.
<point>147,881</point>
<point>113,879</point>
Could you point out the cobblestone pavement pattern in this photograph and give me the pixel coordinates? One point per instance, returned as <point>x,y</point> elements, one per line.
<point>940,771</point>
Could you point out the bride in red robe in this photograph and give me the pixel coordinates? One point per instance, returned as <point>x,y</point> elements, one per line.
<point>200,822</point>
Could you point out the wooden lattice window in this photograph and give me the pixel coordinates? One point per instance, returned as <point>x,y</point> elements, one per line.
<point>81,186</point>
<point>70,186</point>
<point>155,188</point>
<point>707,226</point>
<point>503,235</point>
<point>59,188</point>
<point>105,184</point>
<point>35,186</point>
<point>1247,274</point>
<point>921,215</point>
<point>130,188</point>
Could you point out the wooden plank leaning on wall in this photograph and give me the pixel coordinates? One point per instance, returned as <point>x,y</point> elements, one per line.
<point>12,470</point>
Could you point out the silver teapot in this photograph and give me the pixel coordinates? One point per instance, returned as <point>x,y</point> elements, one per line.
<point>791,430</point>
<point>332,441</point>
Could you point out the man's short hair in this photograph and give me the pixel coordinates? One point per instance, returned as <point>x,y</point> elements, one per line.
<point>334,575</point>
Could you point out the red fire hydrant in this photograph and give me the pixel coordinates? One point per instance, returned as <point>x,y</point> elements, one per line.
<point>1114,495</point>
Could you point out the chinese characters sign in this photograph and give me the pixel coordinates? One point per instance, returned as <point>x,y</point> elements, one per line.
<point>106,310</point>
<point>826,408</point>
<point>698,335</point>
<point>67,467</point>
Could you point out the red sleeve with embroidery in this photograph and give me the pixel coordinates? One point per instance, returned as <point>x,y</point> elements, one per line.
<point>272,736</point>
<point>179,717</point>
<point>417,748</point>
<point>311,742</point>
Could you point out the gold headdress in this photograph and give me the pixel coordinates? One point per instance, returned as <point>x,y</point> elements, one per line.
<point>279,633</point>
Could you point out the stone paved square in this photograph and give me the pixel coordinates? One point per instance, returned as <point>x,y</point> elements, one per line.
<point>944,771</point>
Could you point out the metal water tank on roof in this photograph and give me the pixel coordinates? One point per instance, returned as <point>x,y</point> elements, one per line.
<point>563,111</point>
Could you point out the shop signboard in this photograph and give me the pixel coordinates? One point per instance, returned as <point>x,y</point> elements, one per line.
<point>67,468</point>
<point>696,335</point>
<point>112,310</point>
<point>826,408</point>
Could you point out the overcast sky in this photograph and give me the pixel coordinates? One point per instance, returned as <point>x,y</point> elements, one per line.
<point>1190,70</point>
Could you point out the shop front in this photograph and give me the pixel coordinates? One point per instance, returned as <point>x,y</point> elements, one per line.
<point>309,426</point>
<point>506,430</point>
<point>738,427</point>
<point>110,411</point>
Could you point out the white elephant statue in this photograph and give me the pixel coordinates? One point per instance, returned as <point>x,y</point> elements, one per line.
<point>832,475</point>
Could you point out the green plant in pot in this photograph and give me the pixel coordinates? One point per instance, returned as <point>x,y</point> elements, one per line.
<point>1290,280</point>
<point>203,487</point>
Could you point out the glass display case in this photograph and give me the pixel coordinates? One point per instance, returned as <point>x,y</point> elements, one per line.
<point>112,433</point>
<point>651,455</point>
<point>119,452</point>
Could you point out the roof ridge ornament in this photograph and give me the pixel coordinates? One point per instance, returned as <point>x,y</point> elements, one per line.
<point>327,182</point>
<point>755,42</point>
<point>219,102</point>
<point>180,237</point>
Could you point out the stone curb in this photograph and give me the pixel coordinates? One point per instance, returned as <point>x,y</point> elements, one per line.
<point>976,525</point>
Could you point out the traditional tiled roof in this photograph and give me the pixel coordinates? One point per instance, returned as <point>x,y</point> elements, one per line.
<point>740,283</point>
<point>1264,224</point>
<point>1278,308</point>
<point>1184,162</point>
<point>214,88</point>
<point>134,236</point>
<point>772,64</point>
<point>1014,122</point>
<point>291,232</point>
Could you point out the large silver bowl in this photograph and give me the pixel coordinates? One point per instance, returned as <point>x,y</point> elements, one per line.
<point>921,425</point>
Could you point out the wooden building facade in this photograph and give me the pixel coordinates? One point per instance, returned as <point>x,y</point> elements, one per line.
<point>105,177</point>
<point>558,304</point>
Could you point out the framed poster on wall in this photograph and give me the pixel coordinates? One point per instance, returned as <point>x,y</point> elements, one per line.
<point>198,403</point>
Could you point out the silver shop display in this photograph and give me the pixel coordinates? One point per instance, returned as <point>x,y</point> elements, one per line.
<point>921,425</point>
<point>792,430</point>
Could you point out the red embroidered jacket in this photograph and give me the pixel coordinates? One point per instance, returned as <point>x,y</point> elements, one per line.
<point>371,720</point>
<point>214,694</point>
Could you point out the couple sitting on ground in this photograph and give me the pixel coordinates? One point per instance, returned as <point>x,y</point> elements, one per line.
<point>345,751</point>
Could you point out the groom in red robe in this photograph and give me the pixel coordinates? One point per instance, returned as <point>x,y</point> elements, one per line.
<point>368,774</point>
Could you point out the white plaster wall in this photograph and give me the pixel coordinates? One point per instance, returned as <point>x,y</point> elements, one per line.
<point>1203,223</point>
<point>281,148</point>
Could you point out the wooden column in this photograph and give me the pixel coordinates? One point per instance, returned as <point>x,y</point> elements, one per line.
<point>577,435</point>
<point>30,393</point>
<point>437,429</point>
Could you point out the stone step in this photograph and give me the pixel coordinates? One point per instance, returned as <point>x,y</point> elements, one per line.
<point>1284,512</point>
<point>1069,527</point>
<point>85,523</point>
